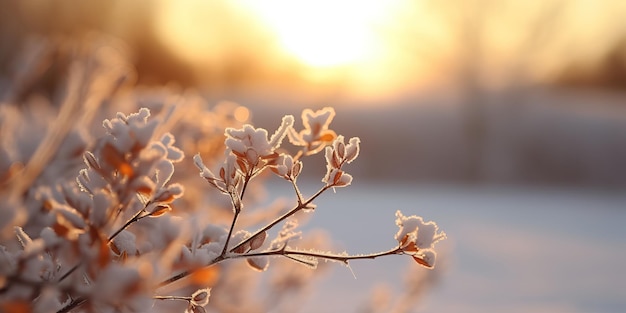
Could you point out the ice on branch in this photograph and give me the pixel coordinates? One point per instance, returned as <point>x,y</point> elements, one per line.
<point>418,238</point>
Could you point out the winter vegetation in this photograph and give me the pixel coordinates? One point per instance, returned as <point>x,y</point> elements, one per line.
<point>122,199</point>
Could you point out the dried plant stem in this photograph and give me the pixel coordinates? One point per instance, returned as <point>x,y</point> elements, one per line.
<point>133,219</point>
<point>283,217</point>
<point>237,207</point>
<point>172,298</point>
<point>328,256</point>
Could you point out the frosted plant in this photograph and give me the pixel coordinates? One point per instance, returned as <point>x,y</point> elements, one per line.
<point>111,219</point>
<point>100,254</point>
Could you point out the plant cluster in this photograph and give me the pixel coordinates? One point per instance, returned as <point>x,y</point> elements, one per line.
<point>127,234</point>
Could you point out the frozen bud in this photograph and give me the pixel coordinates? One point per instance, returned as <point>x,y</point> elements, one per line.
<point>168,194</point>
<point>258,241</point>
<point>259,263</point>
<point>143,185</point>
<point>83,181</point>
<point>195,309</point>
<point>90,160</point>
<point>201,297</point>
<point>337,178</point>
<point>331,159</point>
<point>159,210</point>
<point>297,169</point>
<point>426,258</point>
<point>413,229</point>
<point>22,236</point>
<point>352,149</point>
<point>339,147</point>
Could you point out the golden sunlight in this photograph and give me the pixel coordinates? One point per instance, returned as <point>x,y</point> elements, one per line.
<point>325,33</point>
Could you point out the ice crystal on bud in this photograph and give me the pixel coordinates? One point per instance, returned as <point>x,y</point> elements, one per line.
<point>201,297</point>
<point>286,167</point>
<point>229,177</point>
<point>418,238</point>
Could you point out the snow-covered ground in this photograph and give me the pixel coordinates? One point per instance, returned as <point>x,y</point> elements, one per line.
<point>508,249</point>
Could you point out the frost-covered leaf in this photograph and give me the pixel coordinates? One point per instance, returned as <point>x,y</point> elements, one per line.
<point>259,263</point>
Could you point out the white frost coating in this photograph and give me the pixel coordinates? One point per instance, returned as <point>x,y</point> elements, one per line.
<point>173,154</point>
<point>201,297</point>
<point>204,171</point>
<point>423,234</point>
<point>281,132</point>
<point>213,233</point>
<point>22,236</point>
<point>352,149</point>
<point>428,255</point>
<point>126,242</point>
<point>315,123</point>
<point>248,138</point>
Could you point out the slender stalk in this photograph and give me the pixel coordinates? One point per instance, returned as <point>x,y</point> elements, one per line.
<point>297,190</point>
<point>175,278</point>
<point>282,217</point>
<point>327,256</point>
<point>133,219</point>
<point>172,298</point>
<point>70,271</point>
<point>237,207</point>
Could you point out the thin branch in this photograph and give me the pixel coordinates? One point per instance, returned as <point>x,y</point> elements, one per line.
<point>297,190</point>
<point>172,298</point>
<point>133,219</point>
<point>70,271</point>
<point>282,217</point>
<point>237,206</point>
<point>335,257</point>
<point>175,278</point>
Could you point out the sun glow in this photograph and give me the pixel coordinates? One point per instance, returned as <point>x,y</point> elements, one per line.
<point>325,33</point>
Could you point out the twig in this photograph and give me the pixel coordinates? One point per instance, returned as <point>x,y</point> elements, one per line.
<point>282,217</point>
<point>334,257</point>
<point>133,219</point>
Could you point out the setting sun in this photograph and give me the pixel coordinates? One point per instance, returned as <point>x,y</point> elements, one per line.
<point>325,33</point>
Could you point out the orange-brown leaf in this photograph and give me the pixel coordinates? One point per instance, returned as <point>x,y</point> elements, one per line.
<point>421,261</point>
<point>160,210</point>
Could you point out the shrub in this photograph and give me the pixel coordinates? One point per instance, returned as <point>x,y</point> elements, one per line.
<point>130,229</point>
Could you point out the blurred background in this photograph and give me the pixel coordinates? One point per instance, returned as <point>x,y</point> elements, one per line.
<point>479,91</point>
<point>523,95</point>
